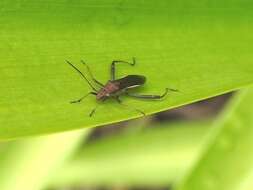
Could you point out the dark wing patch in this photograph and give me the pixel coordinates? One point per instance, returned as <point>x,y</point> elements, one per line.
<point>131,81</point>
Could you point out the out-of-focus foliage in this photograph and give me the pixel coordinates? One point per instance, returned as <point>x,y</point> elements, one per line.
<point>155,156</point>
<point>227,162</point>
<point>30,163</point>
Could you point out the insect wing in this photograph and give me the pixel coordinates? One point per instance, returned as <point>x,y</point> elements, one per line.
<point>131,81</point>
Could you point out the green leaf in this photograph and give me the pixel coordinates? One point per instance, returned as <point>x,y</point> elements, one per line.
<point>30,163</point>
<point>227,162</point>
<point>201,49</point>
<point>155,156</point>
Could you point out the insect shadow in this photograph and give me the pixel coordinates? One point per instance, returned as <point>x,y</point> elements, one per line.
<point>116,87</point>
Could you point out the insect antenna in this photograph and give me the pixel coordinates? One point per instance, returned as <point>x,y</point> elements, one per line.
<point>90,73</point>
<point>82,75</point>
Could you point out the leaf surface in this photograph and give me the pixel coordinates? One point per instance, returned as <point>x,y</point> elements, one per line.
<point>201,49</point>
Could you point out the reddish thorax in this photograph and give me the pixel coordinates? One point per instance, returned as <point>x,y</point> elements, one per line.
<point>109,88</point>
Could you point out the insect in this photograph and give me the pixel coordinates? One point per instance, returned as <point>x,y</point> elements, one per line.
<point>116,87</point>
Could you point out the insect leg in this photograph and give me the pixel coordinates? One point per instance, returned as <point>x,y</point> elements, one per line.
<point>120,102</point>
<point>80,99</point>
<point>92,77</point>
<point>151,97</point>
<point>118,61</point>
<point>93,88</point>
<point>93,111</point>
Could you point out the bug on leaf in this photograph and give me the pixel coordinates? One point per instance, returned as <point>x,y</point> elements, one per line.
<point>116,87</point>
